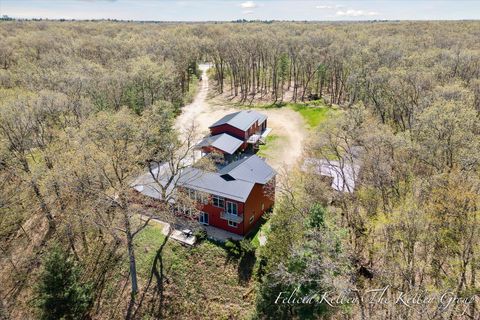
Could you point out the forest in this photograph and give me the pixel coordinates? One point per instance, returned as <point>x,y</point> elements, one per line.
<point>85,107</point>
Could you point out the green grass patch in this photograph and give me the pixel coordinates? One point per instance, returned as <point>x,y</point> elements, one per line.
<point>260,228</point>
<point>313,112</point>
<point>264,230</point>
<point>313,115</point>
<point>255,241</point>
<point>192,90</point>
<point>271,143</point>
<point>146,244</point>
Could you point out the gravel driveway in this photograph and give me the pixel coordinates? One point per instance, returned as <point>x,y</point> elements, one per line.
<point>287,125</point>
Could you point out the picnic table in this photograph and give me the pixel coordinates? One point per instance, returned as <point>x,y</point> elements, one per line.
<point>187,232</point>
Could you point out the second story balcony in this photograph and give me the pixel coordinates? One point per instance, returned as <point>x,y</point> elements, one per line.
<point>231,217</point>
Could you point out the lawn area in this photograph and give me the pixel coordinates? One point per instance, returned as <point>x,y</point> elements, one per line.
<point>203,281</point>
<point>192,90</point>
<point>147,242</point>
<point>313,112</point>
<point>270,144</point>
<point>313,115</point>
<point>262,227</point>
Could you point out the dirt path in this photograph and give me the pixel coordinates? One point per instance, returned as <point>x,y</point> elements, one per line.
<point>192,112</point>
<point>287,125</point>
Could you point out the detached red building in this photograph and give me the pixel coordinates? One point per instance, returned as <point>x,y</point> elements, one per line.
<point>236,134</point>
<point>243,188</point>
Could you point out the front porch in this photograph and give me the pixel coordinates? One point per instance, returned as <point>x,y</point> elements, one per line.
<point>259,137</point>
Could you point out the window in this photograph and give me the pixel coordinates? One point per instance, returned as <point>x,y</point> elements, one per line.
<point>218,201</point>
<point>202,197</point>
<point>232,208</point>
<point>263,206</point>
<point>252,218</point>
<point>186,210</point>
<point>232,223</point>
<point>198,196</point>
<point>203,218</point>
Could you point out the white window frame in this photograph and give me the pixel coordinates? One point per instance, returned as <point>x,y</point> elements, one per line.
<point>202,217</point>
<point>191,193</point>
<point>236,208</point>
<point>232,224</point>
<point>201,197</point>
<point>252,218</point>
<point>219,199</point>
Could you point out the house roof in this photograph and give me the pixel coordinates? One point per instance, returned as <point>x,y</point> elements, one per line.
<point>343,173</point>
<point>211,182</point>
<point>241,120</point>
<point>223,142</point>
<point>253,169</point>
<point>235,181</point>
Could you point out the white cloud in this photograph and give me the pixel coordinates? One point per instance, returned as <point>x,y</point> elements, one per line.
<point>248,12</point>
<point>248,5</point>
<point>356,13</point>
<point>337,6</point>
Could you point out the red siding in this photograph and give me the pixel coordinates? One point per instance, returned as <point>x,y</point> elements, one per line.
<point>226,128</point>
<point>215,220</point>
<point>261,194</point>
<point>209,149</point>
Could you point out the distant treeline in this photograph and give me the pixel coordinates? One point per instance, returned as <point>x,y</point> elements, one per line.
<point>392,67</point>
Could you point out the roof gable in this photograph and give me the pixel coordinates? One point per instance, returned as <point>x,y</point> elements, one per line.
<point>242,120</point>
<point>223,142</point>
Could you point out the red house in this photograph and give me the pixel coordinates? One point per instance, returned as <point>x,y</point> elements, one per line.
<point>236,133</point>
<point>243,188</point>
<point>235,197</point>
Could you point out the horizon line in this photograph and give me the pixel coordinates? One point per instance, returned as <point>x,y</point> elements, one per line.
<point>9,18</point>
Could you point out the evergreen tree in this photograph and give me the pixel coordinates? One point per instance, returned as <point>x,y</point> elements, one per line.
<point>61,295</point>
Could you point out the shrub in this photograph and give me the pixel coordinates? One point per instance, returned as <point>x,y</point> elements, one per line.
<point>201,235</point>
<point>233,248</point>
<point>60,293</point>
<point>238,249</point>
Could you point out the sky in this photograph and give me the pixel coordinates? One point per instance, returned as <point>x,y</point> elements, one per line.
<point>227,10</point>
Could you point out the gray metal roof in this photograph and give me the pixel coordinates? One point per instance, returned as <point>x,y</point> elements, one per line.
<point>235,181</point>
<point>261,117</point>
<point>252,169</point>
<point>241,119</point>
<point>204,181</point>
<point>213,183</point>
<point>344,173</point>
<point>224,142</point>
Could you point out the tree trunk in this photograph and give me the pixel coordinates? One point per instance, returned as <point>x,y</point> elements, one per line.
<point>132,264</point>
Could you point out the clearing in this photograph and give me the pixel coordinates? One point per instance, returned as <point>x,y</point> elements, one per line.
<point>288,126</point>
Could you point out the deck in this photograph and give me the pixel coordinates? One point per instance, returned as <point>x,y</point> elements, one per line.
<point>213,233</point>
